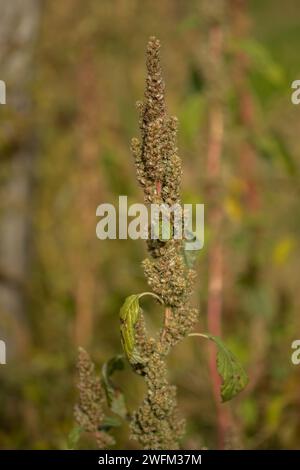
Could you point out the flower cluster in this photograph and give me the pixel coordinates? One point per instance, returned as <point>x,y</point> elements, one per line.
<point>157,424</point>
<point>157,163</point>
<point>89,412</point>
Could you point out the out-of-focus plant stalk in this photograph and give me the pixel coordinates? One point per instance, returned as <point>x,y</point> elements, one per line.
<point>247,158</point>
<point>215,216</point>
<point>19,34</point>
<point>86,197</point>
<point>245,101</point>
<point>157,424</point>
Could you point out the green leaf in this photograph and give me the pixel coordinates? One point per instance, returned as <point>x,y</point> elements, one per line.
<point>129,315</point>
<point>115,397</point>
<point>73,437</point>
<point>130,307</point>
<point>262,61</point>
<point>230,369</point>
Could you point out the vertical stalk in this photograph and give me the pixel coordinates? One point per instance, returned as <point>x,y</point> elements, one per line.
<point>247,158</point>
<point>86,198</point>
<point>156,424</point>
<point>215,216</point>
<point>245,102</point>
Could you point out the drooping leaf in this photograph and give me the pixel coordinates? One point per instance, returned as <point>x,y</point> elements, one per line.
<point>130,307</point>
<point>115,397</point>
<point>129,315</point>
<point>230,369</point>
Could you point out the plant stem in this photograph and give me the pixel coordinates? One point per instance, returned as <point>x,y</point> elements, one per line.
<point>202,335</point>
<point>167,317</point>
<point>215,255</point>
<point>247,157</point>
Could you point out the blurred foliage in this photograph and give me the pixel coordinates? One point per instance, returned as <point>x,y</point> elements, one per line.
<point>96,50</point>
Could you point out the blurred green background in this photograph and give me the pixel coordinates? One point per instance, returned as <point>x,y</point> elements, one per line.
<point>73,72</point>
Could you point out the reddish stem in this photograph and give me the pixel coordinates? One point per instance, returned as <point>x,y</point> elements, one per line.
<point>158,187</point>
